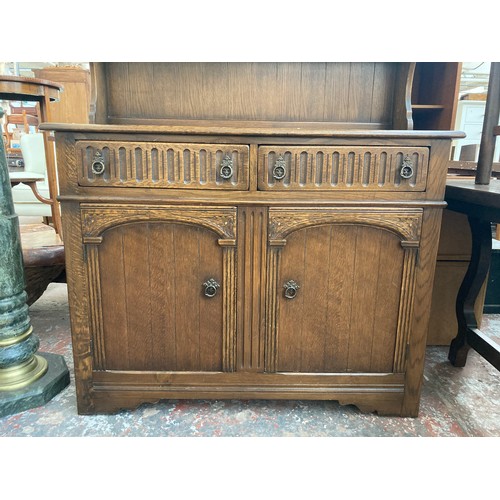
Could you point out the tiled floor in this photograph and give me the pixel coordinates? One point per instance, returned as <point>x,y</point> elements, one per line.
<point>455,402</point>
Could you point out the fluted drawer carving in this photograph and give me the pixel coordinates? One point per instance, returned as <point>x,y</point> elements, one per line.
<point>373,168</point>
<point>163,165</point>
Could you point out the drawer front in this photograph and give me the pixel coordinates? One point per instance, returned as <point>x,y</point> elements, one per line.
<point>375,168</point>
<point>163,165</point>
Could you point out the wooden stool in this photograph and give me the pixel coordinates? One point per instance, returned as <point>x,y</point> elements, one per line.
<point>43,254</point>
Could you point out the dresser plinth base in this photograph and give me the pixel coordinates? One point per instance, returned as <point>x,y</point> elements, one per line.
<point>114,391</point>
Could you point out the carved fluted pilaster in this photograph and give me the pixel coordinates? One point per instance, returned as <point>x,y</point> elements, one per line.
<point>96,307</point>
<point>272,304</point>
<point>229,311</point>
<point>405,308</point>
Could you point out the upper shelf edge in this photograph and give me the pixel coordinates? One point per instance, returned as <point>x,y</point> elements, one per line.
<point>251,129</point>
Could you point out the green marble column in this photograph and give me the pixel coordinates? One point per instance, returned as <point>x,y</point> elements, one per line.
<point>27,379</point>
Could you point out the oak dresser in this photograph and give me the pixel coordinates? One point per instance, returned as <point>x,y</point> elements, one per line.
<point>250,231</point>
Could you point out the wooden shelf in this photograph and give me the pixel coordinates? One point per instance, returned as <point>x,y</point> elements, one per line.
<point>434,95</point>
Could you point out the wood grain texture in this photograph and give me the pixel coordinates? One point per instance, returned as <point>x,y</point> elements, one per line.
<point>163,165</point>
<point>424,278</point>
<point>443,324</point>
<point>218,128</point>
<point>382,393</point>
<point>272,310</point>
<point>327,168</point>
<point>77,282</point>
<point>41,246</point>
<point>230,313</point>
<point>98,104</point>
<point>402,110</point>
<point>347,306</point>
<point>405,309</point>
<point>364,257</point>
<point>78,300</point>
<point>435,83</point>
<point>252,252</point>
<point>97,218</point>
<point>160,269</point>
<point>95,303</point>
<point>338,92</point>
<point>74,102</point>
<point>405,223</point>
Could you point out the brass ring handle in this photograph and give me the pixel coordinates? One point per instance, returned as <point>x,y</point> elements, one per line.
<point>211,287</point>
<point>279,170</point>
<point>226,168</point>
<point>291,288</point>
<point>407,168</point>
<point>98,165</point>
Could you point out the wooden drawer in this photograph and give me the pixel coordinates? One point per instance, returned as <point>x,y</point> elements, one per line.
<point>374,168</point>
<point>162,165</point>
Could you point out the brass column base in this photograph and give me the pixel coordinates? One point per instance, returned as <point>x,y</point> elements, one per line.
<point>21,375</point>
<point>27,380</point>
<point>38,392</point>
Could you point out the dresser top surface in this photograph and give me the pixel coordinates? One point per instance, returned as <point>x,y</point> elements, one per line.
<point>251,128</point>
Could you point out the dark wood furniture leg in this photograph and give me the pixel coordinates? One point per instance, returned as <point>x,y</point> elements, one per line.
<point>469,290</point>
<point>481,202</point>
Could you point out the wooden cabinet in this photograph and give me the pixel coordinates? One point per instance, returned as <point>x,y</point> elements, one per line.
<point>249,292</point>
<point>244,259</point>
<point>74,103</point>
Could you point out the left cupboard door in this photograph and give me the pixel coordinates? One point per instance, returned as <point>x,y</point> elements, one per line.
<point>162,293</point>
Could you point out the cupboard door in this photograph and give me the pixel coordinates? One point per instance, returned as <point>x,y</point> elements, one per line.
<point>162,289</point>
<point>340,292</point>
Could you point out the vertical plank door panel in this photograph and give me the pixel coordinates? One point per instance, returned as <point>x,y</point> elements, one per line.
<point>155,314</point>
<point>337,323</point>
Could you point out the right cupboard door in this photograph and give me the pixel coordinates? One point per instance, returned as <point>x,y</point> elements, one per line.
<point>340,289</point>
